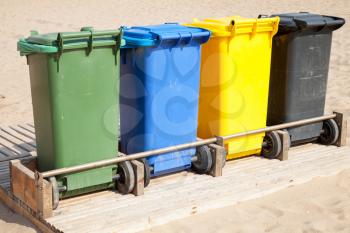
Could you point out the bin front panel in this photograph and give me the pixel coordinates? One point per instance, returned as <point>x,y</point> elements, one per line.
<point>299,73</point>
<point>159,102</point>
<point>75,104</point>
<point>234,84</point>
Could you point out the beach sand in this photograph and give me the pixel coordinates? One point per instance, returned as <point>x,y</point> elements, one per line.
<point>321,205</point>
<point>329,198</point>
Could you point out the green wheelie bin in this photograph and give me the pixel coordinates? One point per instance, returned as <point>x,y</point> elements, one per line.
<point>74,80</point>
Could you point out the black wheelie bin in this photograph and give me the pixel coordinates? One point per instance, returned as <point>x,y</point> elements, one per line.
<point>299,72</point>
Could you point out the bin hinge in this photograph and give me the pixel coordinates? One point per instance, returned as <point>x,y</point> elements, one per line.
<point>117,45</point>
<point>90,43</point>
<point>60,50</point>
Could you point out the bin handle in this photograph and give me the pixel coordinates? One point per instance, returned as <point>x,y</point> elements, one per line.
<point>336,23</point>
<point>90,35</point>
<point>181,37</point>
<point>331,25</point>
<point>304,24</point>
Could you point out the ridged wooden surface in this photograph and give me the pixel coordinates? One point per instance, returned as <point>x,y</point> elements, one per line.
<point>179,195</point>
<point>15,143</point>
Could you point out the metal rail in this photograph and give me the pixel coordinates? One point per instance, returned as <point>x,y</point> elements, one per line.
<point>123,157</point>
<point>280,126</point>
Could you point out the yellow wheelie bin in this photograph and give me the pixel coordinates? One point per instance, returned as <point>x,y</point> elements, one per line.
<point>235,71</point>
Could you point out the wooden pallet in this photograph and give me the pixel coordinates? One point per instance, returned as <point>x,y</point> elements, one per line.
<point>16,142</point>
<point>170,197</point>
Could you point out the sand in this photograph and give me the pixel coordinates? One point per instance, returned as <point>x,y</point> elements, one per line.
<point>18,17</point>
<point>11,222</point>
<point>322,205</point>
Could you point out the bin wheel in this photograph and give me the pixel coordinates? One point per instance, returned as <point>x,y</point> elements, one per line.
<point>330,132</point>
<point>147,173</point>
<point>273,145</point>
<point>55,192</point>
<point>126,182</point>
<point>204,160</point>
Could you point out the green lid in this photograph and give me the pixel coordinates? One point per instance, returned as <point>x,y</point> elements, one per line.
<point>59,42</point>
<point>49,39</point>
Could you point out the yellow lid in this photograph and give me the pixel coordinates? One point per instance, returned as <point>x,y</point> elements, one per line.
<point>229,26</point>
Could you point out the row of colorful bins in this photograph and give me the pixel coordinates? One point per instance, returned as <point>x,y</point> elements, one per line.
<point>172,91</point>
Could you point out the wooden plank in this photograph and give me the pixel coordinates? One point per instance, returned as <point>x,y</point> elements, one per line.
<point>185,195</point>
<point>16,142</point>
<point>23,132</point>
<point>5,149</point>
<point>23,183</point>
<point>192,189</point>
<point>15,157</point>
<point>163,209</point>
<point>43,194</point>
<point>27,128</point>
<point>183,185</point>
<point>19,136</point>
<point>108,211</point>
<point>10,145</point>
<point>36,193</point>
<point>189,185</point>
<point>3,157</point>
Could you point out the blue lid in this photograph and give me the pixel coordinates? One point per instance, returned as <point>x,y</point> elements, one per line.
<point>158,34</point>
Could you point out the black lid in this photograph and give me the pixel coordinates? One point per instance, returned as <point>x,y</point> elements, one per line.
<point>292,22</point>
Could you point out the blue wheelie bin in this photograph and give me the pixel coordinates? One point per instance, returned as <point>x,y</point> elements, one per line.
<point>160,72</point>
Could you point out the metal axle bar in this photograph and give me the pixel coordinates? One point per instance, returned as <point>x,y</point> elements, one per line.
<point>280,126</point>
<point>123,157</point>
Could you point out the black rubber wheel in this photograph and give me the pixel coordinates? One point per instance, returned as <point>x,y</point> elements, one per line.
<point>273,145</point>
<point>126,181</point>
<point>330,132</point>
<point>55,192</point>
<point>204,160</point>
<point>147,173</point>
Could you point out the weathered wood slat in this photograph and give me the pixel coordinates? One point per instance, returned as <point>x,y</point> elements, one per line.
<point>180,196</point>
<point>3,157</point>
<point>7,140</point>
<point>5,149</point>
<point>172,204</point>
<point>16,157</point>
<point>23,132</point>
<point>18,143</point>
<point>189,185</point>
<point>19,136</point>
<point>28,128</point>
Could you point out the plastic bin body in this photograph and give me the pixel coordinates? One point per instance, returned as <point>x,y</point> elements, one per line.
<point>75,106</point>
<point>234,80</point>
<point>159,92</point>
<point>299,72</point>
